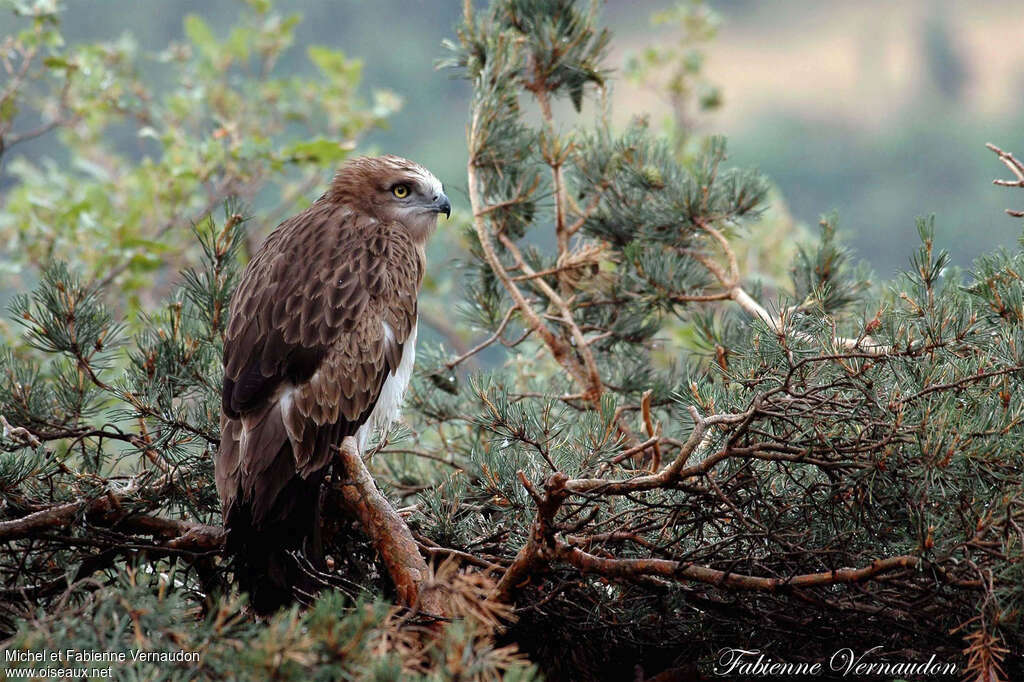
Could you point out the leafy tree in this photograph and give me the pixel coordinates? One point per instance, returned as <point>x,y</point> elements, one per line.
<point>838,465</point>
<point>151,141</point>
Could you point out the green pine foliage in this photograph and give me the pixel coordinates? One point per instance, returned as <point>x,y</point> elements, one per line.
<point>153,625</point>
<point>643,461</point>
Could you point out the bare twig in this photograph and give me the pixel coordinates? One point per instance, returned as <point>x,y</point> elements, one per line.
<point>1016,167</point>
<point>451,364</point>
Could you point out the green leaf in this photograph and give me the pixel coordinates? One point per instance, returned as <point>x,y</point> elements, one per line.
<point>259,6</point>
<point>334,63</point>
<point>59,64</point>
<point>319,150</point>
<point>199,33</point>
<point>239,42</point>
<point>8,109</point>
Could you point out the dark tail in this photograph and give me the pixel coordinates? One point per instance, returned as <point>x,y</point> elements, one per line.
<point>276,552</point>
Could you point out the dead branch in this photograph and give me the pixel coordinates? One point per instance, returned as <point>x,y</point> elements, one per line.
<point>108,511</point>
<point>52,517</point>
<point>1016,167</point>
<point>544,546</point>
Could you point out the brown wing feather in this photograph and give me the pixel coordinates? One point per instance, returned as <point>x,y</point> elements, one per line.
<point>306,352</point>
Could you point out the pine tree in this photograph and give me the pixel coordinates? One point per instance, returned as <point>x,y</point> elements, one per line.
<point>656,464</point>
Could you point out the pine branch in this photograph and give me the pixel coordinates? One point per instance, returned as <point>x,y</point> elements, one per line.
<point>559,350</point>
<point>109,511</point>
<point>730,282</point>
<point>388,531</point>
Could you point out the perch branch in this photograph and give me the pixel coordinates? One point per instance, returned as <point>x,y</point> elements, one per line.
<point>388,532</point>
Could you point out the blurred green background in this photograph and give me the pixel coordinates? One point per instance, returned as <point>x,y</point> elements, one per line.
<point>877,109</point>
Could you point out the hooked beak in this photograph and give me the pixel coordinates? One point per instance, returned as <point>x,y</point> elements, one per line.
<point>442,205</point>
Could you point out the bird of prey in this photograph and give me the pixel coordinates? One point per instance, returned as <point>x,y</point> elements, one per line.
<point>319,346</point>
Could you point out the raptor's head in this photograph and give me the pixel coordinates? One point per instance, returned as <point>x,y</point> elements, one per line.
<point>392,189</point>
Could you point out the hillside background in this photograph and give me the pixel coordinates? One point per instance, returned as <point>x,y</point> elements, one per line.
<point>879,110</point>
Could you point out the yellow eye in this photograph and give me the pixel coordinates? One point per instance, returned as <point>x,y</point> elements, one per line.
<point>400,191</point>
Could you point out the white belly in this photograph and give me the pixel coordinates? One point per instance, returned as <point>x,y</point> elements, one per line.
<point>390,401</point>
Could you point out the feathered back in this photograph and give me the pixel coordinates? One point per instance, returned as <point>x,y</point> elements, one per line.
<point>317,325</point>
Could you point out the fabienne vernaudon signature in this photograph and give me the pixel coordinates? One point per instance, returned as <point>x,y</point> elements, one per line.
<point>842,663</point>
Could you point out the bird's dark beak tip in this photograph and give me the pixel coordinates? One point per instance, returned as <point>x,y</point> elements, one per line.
<point>444,206</point>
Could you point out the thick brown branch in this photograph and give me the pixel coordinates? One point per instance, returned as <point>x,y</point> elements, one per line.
<point>107,511</point>
<point>678,570</point>
<point>390,535</point>
<point>52,517</point>
<point>538,547</point>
